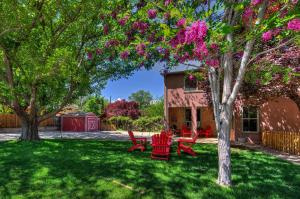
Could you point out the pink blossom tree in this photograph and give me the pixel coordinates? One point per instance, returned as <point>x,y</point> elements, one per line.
<point>225,38</point>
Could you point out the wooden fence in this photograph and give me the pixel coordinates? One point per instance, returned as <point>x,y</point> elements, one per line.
<point>282,141</point>
<point>13,121</point>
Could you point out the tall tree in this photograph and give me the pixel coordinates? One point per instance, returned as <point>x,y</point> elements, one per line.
<point>224,36</point>
<point>142,97</point>
<point>95,104</point>
<point>50,56</point>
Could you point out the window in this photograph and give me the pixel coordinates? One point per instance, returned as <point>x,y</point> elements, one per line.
<point>198,118</point>
<point>250,119</point>
<point>190,84</point>
<point>188,117</point>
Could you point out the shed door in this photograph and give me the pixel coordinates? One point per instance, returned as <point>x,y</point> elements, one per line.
<point>92,124</point>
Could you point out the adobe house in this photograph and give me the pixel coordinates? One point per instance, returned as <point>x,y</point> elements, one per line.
<point>187,103</point>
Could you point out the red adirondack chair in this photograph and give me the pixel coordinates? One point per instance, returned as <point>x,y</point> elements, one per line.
<point>138,143</point>
<point>185,131</point>
<point>161,145</point>
<point>186,144</point>
<point>168,132</point>
<point>206,133</point>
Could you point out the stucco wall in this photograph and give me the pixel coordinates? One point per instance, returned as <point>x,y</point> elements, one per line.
<point>177,97</point>
<point>280,114</point>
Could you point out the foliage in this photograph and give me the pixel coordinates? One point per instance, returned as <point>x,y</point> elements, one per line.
<point>121,122</point>
<point>99,169</point>
<point>149,124</point>
<point>95,104</point>
<point>142,97</point>
<point>122,108</point>
<point>45,61</point>
<point>5,109</point>
<point>155,109</point>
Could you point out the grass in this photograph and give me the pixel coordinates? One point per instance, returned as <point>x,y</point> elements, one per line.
<point>104,169</point>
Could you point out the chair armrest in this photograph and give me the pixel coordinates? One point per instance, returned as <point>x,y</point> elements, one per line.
<point>185,140</point>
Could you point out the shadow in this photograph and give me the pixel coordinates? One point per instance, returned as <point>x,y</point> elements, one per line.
<point>104,169</point>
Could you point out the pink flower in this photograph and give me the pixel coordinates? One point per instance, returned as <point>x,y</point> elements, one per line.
<point>181,22</point>
<point>114,14</point>
<point>213,63</point>
<point>267,36</point>
<point>90,55</point>
<point>123,21</point>
<point>200,51</point>
<point>167,2</point>
<point>141,26</point>
<point>255,2</point>
<point>214,46</point>
<point>140,49</point>
<point>112,42</point>
<point>105,29</point>
<point>191,77</point>
<point>196,32</point>
<point>99,51</point>
<point>167,16</point>
<point>124,54</point>
<point>294,1</point>
<point>248,14</point>
<point>152,13</point>
<point>294,24</point>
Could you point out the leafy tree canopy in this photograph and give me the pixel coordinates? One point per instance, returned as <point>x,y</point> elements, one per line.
<point>142,97</point>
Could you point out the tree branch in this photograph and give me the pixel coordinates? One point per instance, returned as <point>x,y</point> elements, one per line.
<point>246,56</point>
<point>271,49</point>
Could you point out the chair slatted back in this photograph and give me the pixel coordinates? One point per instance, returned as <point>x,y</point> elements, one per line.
<point>161,143</point>
<point>132,138</point>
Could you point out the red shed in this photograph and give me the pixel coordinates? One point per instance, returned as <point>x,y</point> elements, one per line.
<point>80,122</point>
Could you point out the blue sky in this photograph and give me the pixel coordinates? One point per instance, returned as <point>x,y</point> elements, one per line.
<point>148,80</point>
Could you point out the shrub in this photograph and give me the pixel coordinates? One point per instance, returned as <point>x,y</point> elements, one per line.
<point>154,110</point>
<point>121,122</point>
<point>148,124</point>
<point>122,108</point>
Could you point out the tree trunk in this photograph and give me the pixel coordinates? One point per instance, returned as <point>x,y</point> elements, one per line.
<point>224,177</point>
<point>30,129</point>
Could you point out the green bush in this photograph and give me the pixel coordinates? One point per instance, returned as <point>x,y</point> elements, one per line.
<point>148,124</point>
<point>141,124</point>
<point>154,110</point>
<point>121,122</point>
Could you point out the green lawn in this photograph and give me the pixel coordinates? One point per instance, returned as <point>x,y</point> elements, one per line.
<point>104,169</point>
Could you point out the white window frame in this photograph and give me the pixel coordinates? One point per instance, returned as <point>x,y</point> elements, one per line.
<point>257,118</point>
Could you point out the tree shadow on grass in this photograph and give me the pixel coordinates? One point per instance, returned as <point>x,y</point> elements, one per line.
<point>104,169</point>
